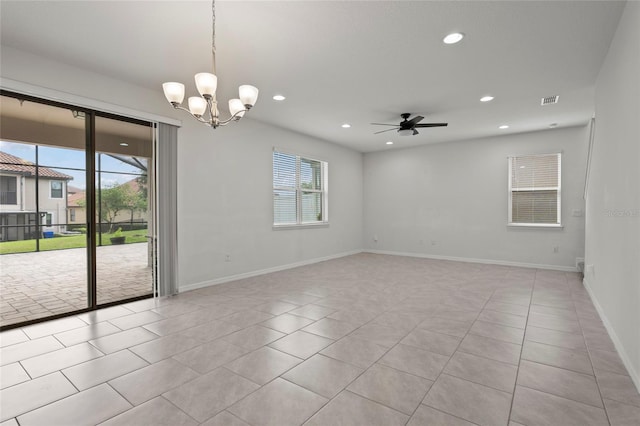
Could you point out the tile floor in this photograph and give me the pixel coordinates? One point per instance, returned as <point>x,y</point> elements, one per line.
<point>362,340</point>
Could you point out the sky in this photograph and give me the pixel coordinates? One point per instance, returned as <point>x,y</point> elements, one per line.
<point>114,172</point>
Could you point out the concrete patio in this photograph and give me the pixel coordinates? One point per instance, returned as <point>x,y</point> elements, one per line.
<point>39,284</point>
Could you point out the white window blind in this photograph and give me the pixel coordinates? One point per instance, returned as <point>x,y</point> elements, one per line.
<point>299,190</point>
<point>534,190</point>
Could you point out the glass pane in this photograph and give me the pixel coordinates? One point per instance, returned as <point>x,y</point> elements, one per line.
<point>284,170</point>
<point>534,207</point>
<point>43,266</point>
<point>284,207</point>
<point>310,174</point>
<point>311,207</point>
<point>123,210</point>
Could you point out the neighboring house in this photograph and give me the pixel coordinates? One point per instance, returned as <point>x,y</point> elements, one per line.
<point>18,208</point>
<point>76,211</point>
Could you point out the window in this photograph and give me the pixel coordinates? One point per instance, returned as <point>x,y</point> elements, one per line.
<point>56,189</point>
<point>72,215</point>
<point>48,219</point>
<point>299,190</point>
<point>8,190</point>
<point>534,190</point>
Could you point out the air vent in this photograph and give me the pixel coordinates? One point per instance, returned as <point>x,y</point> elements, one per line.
<point>550,100</point>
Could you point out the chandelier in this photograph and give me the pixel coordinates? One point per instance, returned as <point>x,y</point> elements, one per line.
<point>204,108</point>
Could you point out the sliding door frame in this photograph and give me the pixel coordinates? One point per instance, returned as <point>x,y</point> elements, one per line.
<point>92,225</point>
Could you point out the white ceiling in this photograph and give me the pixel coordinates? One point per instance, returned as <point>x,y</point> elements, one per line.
<point>346,61</point>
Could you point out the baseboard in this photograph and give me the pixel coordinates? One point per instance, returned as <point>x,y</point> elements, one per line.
<point>472,260</point>
<point>250,274</point>
<point>614,337</point>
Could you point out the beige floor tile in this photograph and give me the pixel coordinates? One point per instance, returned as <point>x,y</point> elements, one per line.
<point>350,409</point>
<point>618,387</point>
<point>225,419</point>
<point>208,395</point>
<point>103,369</point>
<point>558,357</point>
<point>253,337</point>
<point>379,334</point>
<point>607,361</point>
<point>560,382</point>
<point>323,375</point>
<point>33,394</point>
<point>498,332</point>
<point>330,328</point>
<point>84,334</point>
<point>503,318</point>
<point>427,416</point>
<point>280,403</point>
<point>263,365</point>
<point>446,326</point>
<point>156,412</point>
<point>210,356</point>
<point>314,312</point>
<point>211,330</point>
<point>28,349</point>
<point>473,402</point>
<point>11,337</point>
<point>393,388</point>
<point>246,318</point>
<point>122,340</point>
<point>361,353</point>
<point>415,361</point>
<point>491,348</point>
<point>12,374</point>
<point>276,308</point>
<point>488,372</point>
<point>164,347</point>
<point>622,414</point>
<point>301,344</point>
<point>287,323</point>
<point>52,327</point>
<point>91,406</point>
<point>136,320</point>
<point>556,338</point>
<point>62,358</point>
<point>431,341</point>
<point>533,408</point>
<point>148,382</point>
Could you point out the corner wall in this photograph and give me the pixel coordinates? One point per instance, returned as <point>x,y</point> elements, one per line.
<point>612,258</point>
<point>451,201</point>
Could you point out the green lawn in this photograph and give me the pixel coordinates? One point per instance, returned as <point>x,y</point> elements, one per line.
<point>74,241</point>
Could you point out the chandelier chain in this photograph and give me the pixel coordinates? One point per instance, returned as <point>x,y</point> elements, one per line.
<point>213,35</point>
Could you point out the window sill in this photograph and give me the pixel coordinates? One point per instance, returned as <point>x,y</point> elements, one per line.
<point>300,226</point>
<point>536,225</point>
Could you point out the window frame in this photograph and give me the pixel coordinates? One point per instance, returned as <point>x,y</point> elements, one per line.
<point>299,190</point>
<point>61,197</point>
<point>558,190</point>
<point>16,192</point>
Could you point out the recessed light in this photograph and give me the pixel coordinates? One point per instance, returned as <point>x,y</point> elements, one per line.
<point>279,98</point>
<point>552,125</point>
<point>346,125</point>
<point>389,143</point>
<point>504,126</point>
<point>486,98</point>
<point>124,144</point>
<point>453,38</point>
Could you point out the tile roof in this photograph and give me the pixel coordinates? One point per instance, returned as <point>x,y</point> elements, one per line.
<point>11,163</point>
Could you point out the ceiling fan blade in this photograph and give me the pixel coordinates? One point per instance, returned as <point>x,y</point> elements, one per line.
<point>411,123</point>
<point>384,124</point>
<point>431,125</point>
<point>382,131</point>
<point>415,132</point>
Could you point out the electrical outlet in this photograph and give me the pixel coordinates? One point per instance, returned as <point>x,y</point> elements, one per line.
<point>375,237</point>
<point>435,242</point>
<point>227,258</point>
<point>556,249</point>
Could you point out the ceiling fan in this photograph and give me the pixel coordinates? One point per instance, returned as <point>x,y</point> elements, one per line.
<point>408,127</point>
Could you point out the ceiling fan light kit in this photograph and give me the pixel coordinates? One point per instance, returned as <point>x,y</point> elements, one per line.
<point>204,108</point>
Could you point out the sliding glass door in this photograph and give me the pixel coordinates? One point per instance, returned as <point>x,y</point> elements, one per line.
<point>71,182</point>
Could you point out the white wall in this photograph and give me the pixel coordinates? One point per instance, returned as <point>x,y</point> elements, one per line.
<point>224,180</point>
<point>613,200</point>
<point>450,200</point>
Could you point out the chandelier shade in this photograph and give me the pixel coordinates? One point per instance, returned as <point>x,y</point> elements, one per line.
<point>204,108</point>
